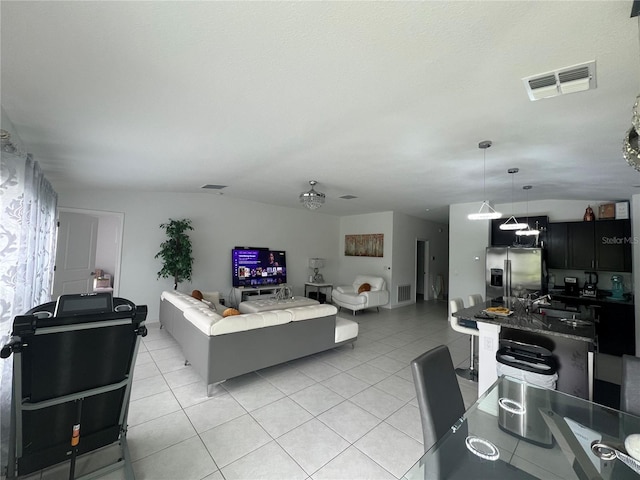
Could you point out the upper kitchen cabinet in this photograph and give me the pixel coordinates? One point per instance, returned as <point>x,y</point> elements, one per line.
<point>613,245</point>
<point>557,251</point>
<point>601,245</point>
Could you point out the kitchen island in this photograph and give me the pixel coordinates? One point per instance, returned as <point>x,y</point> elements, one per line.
<point>567,331</point>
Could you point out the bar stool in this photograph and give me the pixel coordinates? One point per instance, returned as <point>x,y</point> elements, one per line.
<point>469,328</point>
<point>475,299</point>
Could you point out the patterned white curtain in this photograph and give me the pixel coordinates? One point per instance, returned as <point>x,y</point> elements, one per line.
<point>27,255</point>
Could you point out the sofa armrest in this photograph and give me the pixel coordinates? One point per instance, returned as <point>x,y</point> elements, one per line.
<point>346,289</point>
<point>377,297</point>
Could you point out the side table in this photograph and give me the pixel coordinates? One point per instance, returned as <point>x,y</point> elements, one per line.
<point>319,287</point>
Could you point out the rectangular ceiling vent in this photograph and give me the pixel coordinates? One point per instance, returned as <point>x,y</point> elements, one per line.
<point>210,186</point>
<point>577,78</point>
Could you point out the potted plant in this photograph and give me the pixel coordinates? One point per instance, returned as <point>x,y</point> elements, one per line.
<point>175,252</point>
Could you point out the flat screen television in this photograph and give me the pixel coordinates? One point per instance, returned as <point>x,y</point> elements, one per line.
<point>258,267</point>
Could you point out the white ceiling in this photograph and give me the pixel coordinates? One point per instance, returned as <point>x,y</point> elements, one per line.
<point>383,100</point>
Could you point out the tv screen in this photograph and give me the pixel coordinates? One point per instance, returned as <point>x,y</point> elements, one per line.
<point>257,267</point>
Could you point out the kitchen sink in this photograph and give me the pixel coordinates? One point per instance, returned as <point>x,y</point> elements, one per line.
<point>558,313</point>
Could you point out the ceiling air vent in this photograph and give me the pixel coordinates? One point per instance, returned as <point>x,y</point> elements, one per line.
<point>348,197</point>
<point>210,186</point>
<point>576,78</point>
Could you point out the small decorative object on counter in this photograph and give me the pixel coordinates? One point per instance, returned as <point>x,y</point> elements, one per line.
<point>588,215</point>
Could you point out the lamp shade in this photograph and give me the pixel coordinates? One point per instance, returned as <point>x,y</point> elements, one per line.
<point>316,262</point>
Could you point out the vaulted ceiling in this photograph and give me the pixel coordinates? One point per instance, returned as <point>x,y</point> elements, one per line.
<point>386,101</point>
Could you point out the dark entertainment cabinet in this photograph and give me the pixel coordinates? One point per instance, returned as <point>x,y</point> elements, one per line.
<point>602,245</point>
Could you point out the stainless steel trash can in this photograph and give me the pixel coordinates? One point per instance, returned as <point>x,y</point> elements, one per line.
<point>534,371</point>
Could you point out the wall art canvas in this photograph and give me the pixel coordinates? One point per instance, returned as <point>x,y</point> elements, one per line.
<point>367,245</point>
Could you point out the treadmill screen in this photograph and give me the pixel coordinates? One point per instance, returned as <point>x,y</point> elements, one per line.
<point>84,303</point>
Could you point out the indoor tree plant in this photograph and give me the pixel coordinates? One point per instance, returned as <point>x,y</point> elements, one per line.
<point>175,252</point>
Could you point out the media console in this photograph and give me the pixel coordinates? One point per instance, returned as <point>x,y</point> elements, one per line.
<point>241,294</point>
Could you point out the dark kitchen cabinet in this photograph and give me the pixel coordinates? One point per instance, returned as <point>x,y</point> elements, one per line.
<point>603,245</point>
<point>581,245</point>
<point>613,245</point>
<point>616,329</point>
<point>557,252</point>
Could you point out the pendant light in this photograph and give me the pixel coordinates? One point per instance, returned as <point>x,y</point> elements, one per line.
<point>486,212</point>
<point>528,230</point>
<point>512,223</point>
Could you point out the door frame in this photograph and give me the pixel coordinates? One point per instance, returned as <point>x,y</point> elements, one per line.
<point>119,216</point>
<point>426,293</point>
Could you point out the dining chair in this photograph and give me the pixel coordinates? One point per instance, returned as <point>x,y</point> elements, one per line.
<point>630,388</point>
<point>469,328</point>
<point>438,393</point>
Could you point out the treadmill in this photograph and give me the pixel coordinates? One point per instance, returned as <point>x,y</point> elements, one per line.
<point>73,362</point>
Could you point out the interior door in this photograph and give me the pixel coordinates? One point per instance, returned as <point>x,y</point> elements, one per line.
<point>76,253</point>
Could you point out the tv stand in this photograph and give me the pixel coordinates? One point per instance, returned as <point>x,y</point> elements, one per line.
<point>255,293</point>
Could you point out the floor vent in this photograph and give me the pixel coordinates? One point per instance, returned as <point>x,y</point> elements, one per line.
<point>576,78</point>
<point>404,293</point>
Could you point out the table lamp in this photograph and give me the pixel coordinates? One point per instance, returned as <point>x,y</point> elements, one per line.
<point>316,264</point>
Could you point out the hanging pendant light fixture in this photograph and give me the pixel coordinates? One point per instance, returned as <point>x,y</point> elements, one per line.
<point>486,212</point>
<point>528,230</point>
<point>512,222</point>
<point>312,199</point>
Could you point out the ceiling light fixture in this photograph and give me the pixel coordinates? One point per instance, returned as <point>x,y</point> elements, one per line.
<point>528,230</point>
<point>312,199</point>
<point>512,223</point>
<point>486,212</point>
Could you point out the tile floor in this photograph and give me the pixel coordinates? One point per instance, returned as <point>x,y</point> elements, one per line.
<point>341,414</point>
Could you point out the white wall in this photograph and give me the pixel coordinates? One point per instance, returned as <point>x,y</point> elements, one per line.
<point>407,231</point>
<point>220,223</point>
<point>349,267</point>
<point>468,240</point>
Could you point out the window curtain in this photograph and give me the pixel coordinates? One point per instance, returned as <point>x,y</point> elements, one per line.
<point>27,252</point>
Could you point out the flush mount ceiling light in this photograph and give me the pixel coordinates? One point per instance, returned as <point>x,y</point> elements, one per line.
<point>512,223</point>
<point>486,212</point>
<point>528,230</point>
<point>312,199</point>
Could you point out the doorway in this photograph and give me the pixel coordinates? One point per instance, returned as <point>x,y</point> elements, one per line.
<point>423,282</point>
<point>87,240</point>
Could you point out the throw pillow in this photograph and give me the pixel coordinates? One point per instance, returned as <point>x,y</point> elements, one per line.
<point>197,294</point>
<point>229,312</point>
<point>365,287</point>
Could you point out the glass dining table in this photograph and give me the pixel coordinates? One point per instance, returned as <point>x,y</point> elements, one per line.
<point>520,431</point>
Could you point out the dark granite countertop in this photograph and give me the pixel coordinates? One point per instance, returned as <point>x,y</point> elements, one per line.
<point>603,297</point>
<point>521,319</point>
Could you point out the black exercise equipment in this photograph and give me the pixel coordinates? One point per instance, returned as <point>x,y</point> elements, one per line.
<point>73,366</point>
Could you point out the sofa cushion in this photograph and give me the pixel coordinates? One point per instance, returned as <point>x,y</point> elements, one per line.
<point>345,329</point>
<point>202,318</point>
<point>311,311</point>
<point>365,287</point>
<point>249,321</point>
<point>350,300</point>
<point>230,312</point>
<point>197,294</point>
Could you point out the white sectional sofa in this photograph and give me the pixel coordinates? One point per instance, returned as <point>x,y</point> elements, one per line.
<point>224,347</point>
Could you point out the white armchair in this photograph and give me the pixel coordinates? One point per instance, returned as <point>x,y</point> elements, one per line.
<point>348,296</point>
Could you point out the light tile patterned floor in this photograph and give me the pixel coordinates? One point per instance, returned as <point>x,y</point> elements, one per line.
<point>342,414</point>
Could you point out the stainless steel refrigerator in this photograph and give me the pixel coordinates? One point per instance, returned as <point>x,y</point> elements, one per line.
<point>513,271</point>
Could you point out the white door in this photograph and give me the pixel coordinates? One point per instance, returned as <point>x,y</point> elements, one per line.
<point>76,253</point>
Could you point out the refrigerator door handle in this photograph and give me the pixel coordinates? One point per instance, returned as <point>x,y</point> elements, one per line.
<point>507,272</point>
